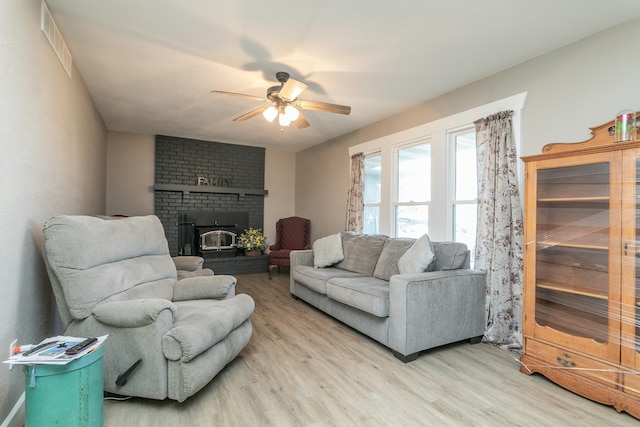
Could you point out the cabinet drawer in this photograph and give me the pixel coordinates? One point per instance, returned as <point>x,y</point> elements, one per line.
<point>577,364</point>
<point>631,382</point>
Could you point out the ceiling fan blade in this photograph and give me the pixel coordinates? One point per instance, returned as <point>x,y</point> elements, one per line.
<point>291,89</point>
<point>323,106</point>
<point>250,114</point>
<point>240,95</point>
<point>301,122</point>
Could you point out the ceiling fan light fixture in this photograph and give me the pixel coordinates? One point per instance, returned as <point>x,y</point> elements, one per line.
<point>270,113</point>
<point>283,120</point>
<point>291,112</point>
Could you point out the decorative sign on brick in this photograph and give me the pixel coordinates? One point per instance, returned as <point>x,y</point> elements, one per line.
<point>215,181</point>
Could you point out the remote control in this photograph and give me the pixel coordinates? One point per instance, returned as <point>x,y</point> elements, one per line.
<point>80,346</point>
<point>40,347</point>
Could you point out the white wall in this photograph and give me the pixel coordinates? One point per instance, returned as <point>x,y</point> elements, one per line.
<point>52,161</point>
<point>130,174</point>
<point>568,91</point>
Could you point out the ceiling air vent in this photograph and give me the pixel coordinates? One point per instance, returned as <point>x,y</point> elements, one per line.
<point>50,29</point>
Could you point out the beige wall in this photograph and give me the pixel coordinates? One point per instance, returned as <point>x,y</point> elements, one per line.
<point>52,162</point>
<point>279,173</point>
<point>130,174</point>
<point>569,90</point>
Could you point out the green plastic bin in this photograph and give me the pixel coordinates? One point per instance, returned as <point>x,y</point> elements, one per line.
<point>65,395</point>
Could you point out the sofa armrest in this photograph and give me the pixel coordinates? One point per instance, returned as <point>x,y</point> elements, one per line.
<point>435,308</point>
<point>132,313</point>
<point>205,287</point>
<point>301,257</point>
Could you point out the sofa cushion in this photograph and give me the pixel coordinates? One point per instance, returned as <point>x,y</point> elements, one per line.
<point>418,258</point>
<point>364,293</point>
<point>316,278</point>
<point>449,255</point>
<point>361,252</point>
<point>327,251</point>
<point>393,249</point>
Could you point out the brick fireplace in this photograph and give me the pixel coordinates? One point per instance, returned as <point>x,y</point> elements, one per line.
<point>203,186</point>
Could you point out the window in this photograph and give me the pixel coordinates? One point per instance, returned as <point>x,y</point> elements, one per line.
<point>372,194</point>
<point>423,179</point>
<point>413,190</point>
<point>464,200</point>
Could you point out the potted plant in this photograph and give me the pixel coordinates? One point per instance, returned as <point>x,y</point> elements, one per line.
<point>252,241</point>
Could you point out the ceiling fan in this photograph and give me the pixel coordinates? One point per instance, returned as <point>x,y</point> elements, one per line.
<point>284,103</point>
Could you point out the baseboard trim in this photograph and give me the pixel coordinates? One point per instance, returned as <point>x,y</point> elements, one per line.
<point>16,408</point>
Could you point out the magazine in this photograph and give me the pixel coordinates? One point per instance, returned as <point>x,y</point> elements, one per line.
<point>53,351</point>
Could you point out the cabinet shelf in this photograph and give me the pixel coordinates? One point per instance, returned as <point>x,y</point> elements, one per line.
<point>575,291</point>
<point>549,243</point>
<point>573,199</point>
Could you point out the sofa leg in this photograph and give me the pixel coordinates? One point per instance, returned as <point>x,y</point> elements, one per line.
<point>406,359</point>
<point>475,340</point>
<point>294,297</point>
<point>270,271</point>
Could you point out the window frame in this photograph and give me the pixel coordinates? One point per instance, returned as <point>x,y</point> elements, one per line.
<point>395,203</point>
<point>452,200</point>
<point>438,131</point>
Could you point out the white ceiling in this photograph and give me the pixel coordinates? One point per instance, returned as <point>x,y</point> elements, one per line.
<point>150,64</point>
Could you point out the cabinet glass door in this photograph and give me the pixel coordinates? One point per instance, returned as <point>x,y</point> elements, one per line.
<point>575,225</point>
<point>631,261</point>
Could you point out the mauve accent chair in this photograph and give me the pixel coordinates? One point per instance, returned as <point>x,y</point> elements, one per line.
<point>118,278</point>
<point>293,233</point>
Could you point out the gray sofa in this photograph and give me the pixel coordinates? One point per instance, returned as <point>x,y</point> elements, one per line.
<point>408,312</point>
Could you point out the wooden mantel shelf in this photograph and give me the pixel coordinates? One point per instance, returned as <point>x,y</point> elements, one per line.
<point>186,189</point>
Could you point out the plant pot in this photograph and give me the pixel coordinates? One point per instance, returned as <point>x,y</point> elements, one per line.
<point>253,252</point>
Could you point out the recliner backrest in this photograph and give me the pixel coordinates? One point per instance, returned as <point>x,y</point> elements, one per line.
<point>93,260</point>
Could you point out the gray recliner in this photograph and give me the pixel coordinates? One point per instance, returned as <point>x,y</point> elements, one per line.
<point>118,278</point>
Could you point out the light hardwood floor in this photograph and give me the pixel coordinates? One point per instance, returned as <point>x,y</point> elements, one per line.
<point>302,368</point>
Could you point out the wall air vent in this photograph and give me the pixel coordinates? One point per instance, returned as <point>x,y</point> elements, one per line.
<point>50,29</point>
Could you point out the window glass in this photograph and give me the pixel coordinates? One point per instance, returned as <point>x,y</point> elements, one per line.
<point>465,205</point>
<point>466,165</point>
<point>413,190</point>
<point>414,173</point>
<point>372,190</point>
<point>412,221</point>
<point>372,194</point>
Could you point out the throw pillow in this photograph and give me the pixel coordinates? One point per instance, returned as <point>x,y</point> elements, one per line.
<point>361,252</point>
<point>450,255</point>
<point>327,251</point>
<point>418,257</point>
<point>392,251</point>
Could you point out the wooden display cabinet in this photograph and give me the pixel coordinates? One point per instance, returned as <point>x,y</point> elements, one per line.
<point>582,269</point>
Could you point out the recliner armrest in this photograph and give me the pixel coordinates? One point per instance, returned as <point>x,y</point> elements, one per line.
<point>188,263</point>
<point>132,313</point>
<point>206,287</point>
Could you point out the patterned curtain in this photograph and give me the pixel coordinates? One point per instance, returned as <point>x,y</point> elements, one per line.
<point>500,234</point>
<point>355,198</point>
